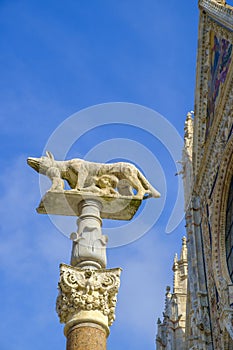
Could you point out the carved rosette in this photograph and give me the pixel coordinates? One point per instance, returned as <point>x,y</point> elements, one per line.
<point>86,291</point>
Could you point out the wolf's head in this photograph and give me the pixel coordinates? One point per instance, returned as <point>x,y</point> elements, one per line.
<point>42,164</point>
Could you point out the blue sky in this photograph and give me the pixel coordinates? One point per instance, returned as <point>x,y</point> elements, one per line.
<point>56,60</point>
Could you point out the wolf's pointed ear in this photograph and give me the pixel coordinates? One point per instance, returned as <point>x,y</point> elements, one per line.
<point>50,155</point>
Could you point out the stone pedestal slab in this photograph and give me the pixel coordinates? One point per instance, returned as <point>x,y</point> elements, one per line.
<point>68,203</point>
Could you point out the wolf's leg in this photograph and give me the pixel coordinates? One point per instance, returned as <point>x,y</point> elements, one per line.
<point>136,184</point>
<point>81,178</point>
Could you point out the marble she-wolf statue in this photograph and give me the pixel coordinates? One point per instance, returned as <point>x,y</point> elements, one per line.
<point>119,178</point>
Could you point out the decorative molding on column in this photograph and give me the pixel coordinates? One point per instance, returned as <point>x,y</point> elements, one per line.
<point>218,218</point>
<point>218,223</point>
<point>87,296</point>
<point>89,244</point>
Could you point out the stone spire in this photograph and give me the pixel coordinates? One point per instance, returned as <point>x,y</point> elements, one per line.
<point>175,261</point>
<point>180,269</point>
<point>183,255</point>
<point>187,156</point>
<point>176,273</point>
<point>188,134</point>
<point>171,332</point>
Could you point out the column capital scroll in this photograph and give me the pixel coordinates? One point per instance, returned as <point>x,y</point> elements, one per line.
<point>87,295</point>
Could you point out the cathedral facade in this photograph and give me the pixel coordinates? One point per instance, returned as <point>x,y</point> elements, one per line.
<point>199,311</point>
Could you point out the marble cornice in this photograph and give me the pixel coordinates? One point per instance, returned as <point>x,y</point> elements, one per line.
<point>221,13</point>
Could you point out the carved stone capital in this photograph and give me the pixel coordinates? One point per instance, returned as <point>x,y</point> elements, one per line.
<point>87,296</point>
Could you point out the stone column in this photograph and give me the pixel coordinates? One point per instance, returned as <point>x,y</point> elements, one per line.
<point>87,290</point>
<point>86,305</point>
<point>87,298</point>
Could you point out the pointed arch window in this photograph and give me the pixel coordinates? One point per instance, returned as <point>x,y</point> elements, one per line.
<point>229,230</point>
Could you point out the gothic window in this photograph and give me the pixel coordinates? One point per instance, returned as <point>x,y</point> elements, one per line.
<point>229,230</point>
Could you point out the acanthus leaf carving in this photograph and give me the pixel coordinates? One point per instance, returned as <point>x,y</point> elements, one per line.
<point>87,290</point>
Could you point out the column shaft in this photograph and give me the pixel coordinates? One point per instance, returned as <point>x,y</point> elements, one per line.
<point>86,337</point>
